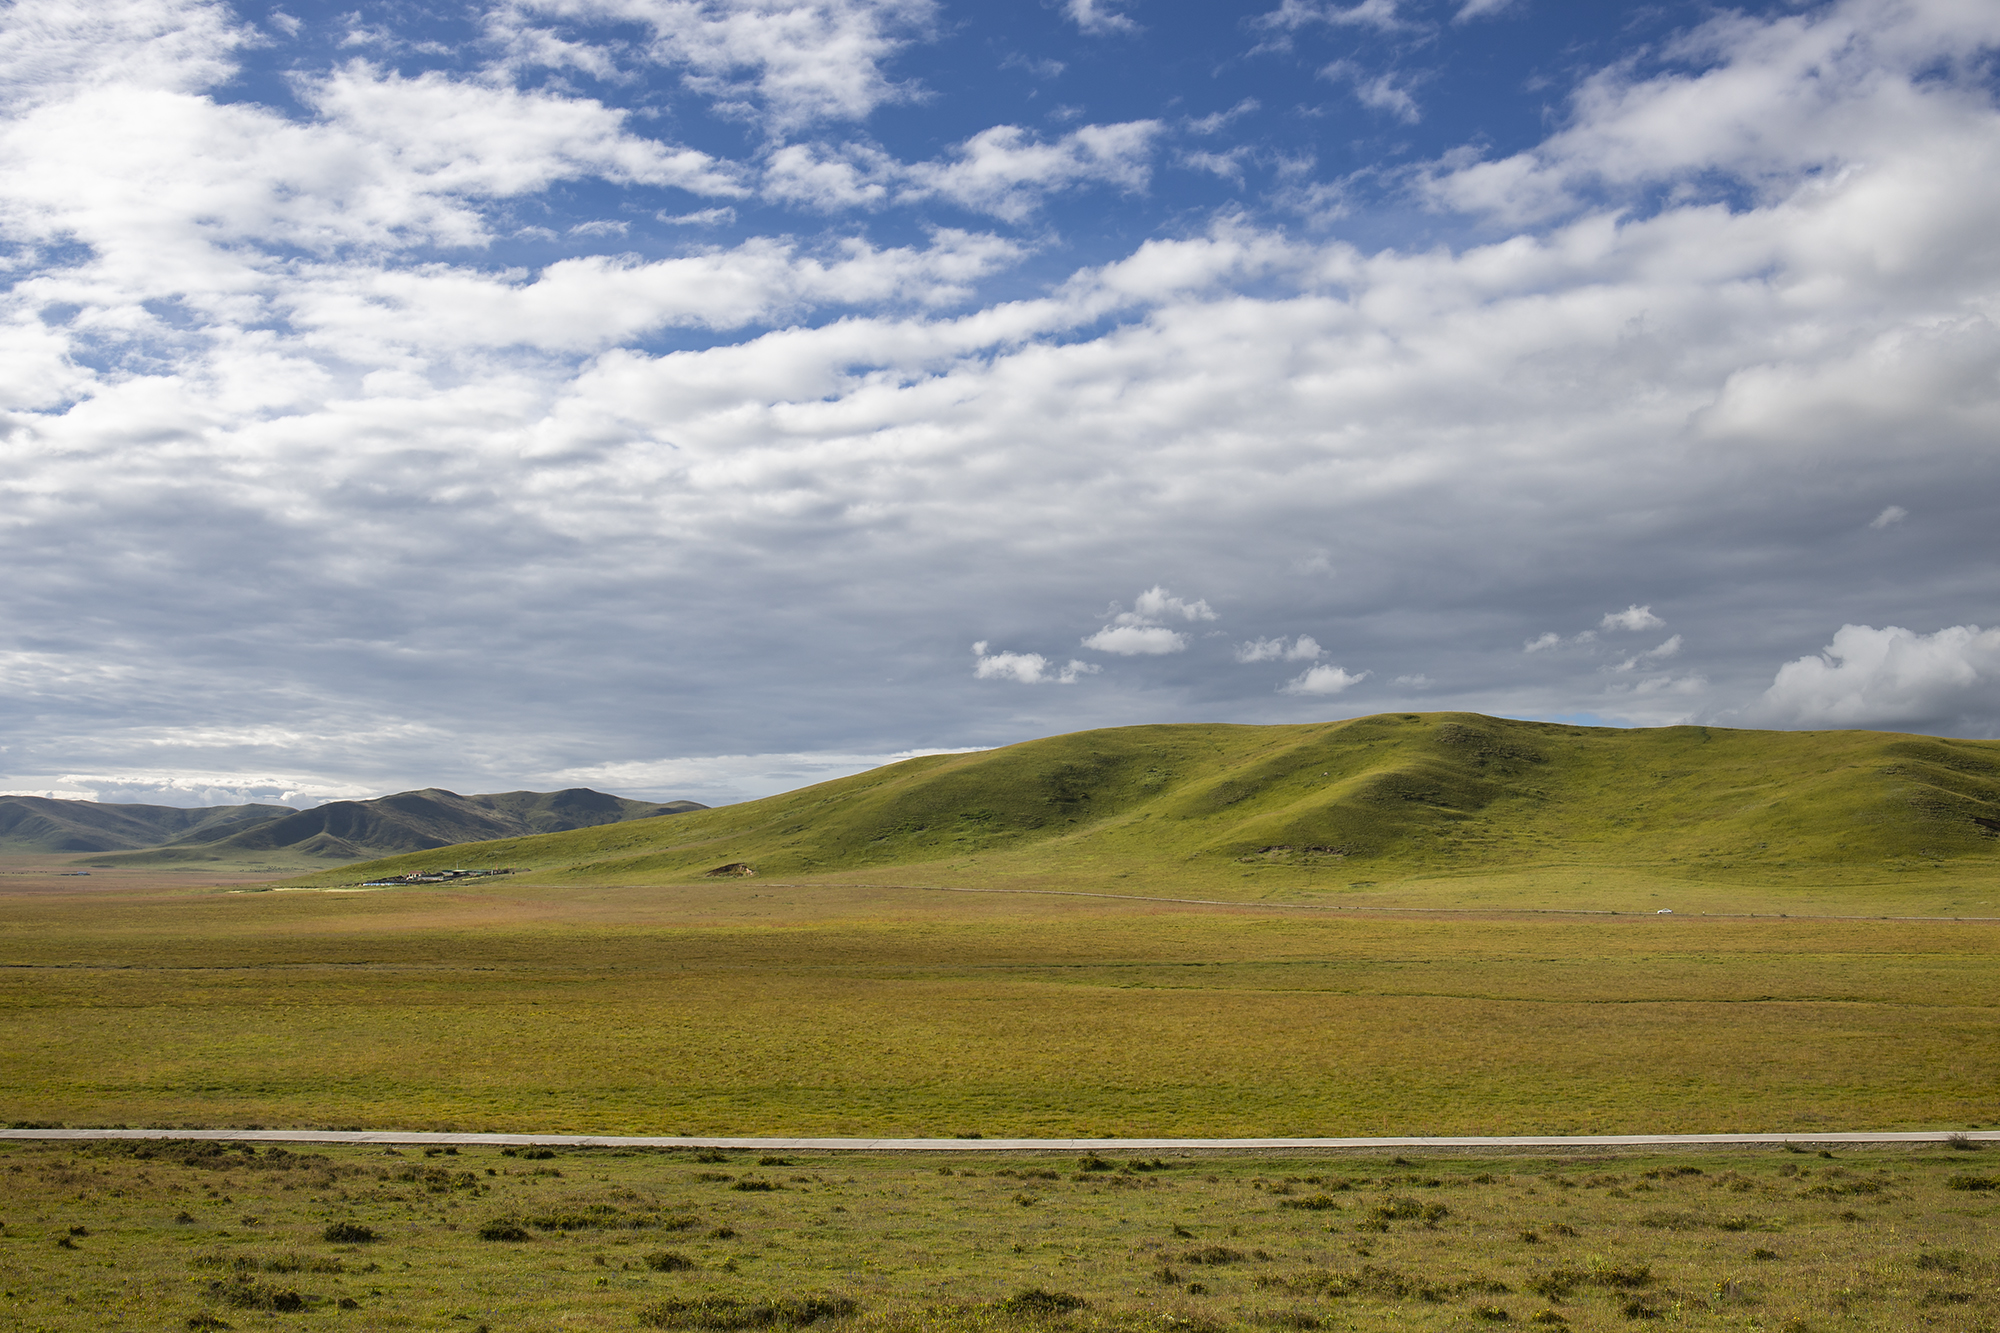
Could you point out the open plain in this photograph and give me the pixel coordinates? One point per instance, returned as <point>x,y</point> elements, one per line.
<point>1396,927</point>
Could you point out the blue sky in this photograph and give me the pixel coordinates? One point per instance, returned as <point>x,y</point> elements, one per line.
<point>697,398</point>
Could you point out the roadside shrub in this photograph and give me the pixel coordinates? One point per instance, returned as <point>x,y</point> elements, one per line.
<point>1092,1162</point>
<point>1408,1210</point>
<point>1035,1301</point>
<point>504,1228</point>
<point>348,1233</point>
<point>1963,1143</point>
<point>727,1312</point>
<point>242,1293</point>
<point>1213,1254</point>
<point>1972,1183</point>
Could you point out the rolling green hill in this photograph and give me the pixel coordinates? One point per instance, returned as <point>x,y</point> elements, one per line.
<point>1247,811</point>
<point>336,831</point>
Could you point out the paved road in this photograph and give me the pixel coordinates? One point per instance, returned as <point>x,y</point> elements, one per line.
<point>419,1138</point>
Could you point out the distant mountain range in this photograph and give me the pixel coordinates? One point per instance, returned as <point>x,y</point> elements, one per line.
<point>410,821</point>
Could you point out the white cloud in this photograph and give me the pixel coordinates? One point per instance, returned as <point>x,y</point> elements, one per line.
<point>1378,92</point>
<point>1662,651</point>
<point>1005,170</point>
<point>784,63</point>
<point>58,48</point>
<point>1156,604</point>
<point>1304,649</point>
<point>1888,517</point>
<point>1139,632</point>
<point>1097,18</point>
<point>1631,618</point>
<point>1542,644</point>
<point>1473,9</point>
<point>1322,680</point>
<point>704,217</point>
<point>723,779</point>
<point>1416,682</point>
<point>1889,678</point>
<point>1776,105</point>
<point>1027,668</point>
<point>1294,14</point>
<point>1136,640</point>
<point>1219,120</point>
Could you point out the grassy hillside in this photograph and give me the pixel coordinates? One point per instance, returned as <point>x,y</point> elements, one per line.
<point>47,824</point>
<point>357,830</point>
<point>1261,812</point>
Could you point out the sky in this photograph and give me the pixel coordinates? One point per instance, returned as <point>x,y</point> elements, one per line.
<point>702,398</point>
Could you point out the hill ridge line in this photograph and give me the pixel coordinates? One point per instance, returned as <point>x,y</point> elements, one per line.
<point>454,1139</point>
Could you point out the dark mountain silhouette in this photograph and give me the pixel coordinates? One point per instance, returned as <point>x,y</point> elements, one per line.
<point>408,821</point>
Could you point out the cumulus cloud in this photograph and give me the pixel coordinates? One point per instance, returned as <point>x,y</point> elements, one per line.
<point>1027,668</point>
<point>1542,643</point>
<point>1632,618</point>
<point>1889,517</point>
<point>1771,104</point>
<point>1890,678</point>
<point>1097,17</point>
<point>1376,91</point>
<point>784,63</point>
<point>1322,680</point>
<point>1293,14</point>
<point>1157,604</point>
<point>1302,649</point>
<point>1137,640</point>
<point>1005,170</point>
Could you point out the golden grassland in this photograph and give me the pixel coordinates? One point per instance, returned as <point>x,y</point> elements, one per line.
<point>745,1007</point>
<point>211,1236</point>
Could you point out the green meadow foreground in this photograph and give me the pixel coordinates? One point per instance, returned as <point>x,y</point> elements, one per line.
<point>743,1007</point>
<point>210,1236</point>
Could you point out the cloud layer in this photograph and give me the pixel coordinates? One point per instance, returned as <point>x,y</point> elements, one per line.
<point>602,384</point>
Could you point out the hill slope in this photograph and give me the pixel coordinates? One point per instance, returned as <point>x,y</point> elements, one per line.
<point>339,830</point>
<point>1395,794</point>
<point>45,824</point>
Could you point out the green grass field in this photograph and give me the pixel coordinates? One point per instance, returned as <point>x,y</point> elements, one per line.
<point>210,1237</point>
<point>745,1008</point>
